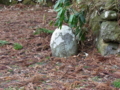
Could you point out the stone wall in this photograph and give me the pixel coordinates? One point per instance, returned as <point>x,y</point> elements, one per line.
<point>105,23</point>
<point>7,2</point>
<point>28,2</point>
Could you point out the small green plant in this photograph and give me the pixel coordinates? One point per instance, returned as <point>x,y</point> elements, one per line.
<point>8,22</point>
<point>31,65</point>
<point>17,46</point>
<point>41,63</point>
<point>48,57</point>
<point>116,83</point>
<point>42,30</point>
<point>86,67</point>
<point>2,42</point>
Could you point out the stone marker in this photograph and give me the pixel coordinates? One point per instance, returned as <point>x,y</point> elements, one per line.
<point>63,42</point>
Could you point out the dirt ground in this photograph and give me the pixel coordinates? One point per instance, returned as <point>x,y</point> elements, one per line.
<point>34,68</point>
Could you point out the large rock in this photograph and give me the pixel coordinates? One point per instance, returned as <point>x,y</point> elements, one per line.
<point>112,5</point>
<point>110,31</point>
<point>109,15</point>
<point>109,38</point>
<point>63,42</point>
<point>107,48</point>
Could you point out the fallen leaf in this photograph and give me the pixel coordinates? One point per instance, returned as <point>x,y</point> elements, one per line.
<point>78,68</point>
<point>116,74</point>
<point>1,89</point>
<point>3,67</point>
<point>102,86</point>
<point>38,78</point>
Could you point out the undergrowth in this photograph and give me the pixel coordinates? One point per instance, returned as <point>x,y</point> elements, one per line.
<point>17,46</point>
<point>42,30</point>
<point>116,83</point>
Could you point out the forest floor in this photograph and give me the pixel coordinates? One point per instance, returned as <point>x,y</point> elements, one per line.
<point>34,68</point>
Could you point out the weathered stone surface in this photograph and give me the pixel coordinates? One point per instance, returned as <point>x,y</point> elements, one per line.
<point>104,25</point>
<point>109,15</point>
<point>94,23</point>
<point>107,48</point>
<point>7,2</point>
<point>110,31</point>
<point>63,42</point>
<point>112,5</point>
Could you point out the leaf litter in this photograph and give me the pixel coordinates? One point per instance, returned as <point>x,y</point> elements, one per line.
<point>34,68</point>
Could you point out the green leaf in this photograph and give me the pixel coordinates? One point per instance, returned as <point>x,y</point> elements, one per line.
<point>71,18</point>
<point>77,30</point>
<point>60,12</point>
<point>58,9</point>
<point>56,5</point>
<point>82,17</point>
<point>59,3</point>
<point>80,33</point>
<point>67,15</point>
<point>51,23</point>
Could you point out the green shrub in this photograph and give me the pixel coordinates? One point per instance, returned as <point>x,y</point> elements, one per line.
<point>17,46</point>
<point>76,13</point>
<point>66,13</point>
<point>116,83</point>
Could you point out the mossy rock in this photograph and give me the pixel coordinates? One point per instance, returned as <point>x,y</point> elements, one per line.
<point>28,2</point>
<point>109,15</point>
<point>110,31</point>
<point>112,5</point>
<point>94,22</point>
<point>7,2</point>
<point>107,48</point>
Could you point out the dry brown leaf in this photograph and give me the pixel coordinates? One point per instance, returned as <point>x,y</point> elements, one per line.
<point>3,67</point>
<point>102,58</point>
<point>102,86</point>
<point>17,28</point>
<point>8,78</point>
<point>1,89</point>
<point>78,68</point>
<point>38,78</point>
<point>116,74</point>
<point>82,76</point>
<point>29,87</point>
